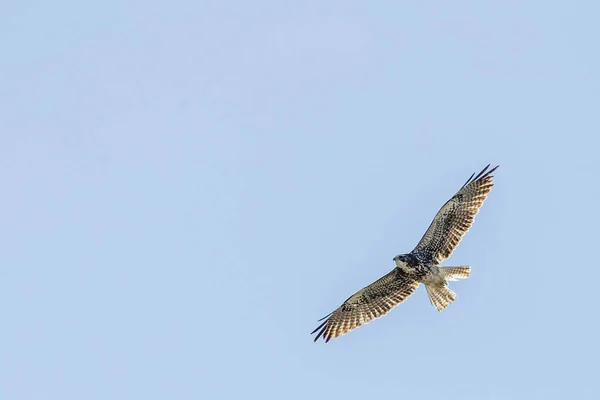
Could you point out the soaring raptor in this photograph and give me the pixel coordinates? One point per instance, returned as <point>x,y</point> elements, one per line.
<point>421,265</point>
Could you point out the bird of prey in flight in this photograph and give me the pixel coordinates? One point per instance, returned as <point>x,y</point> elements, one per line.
<point>421,265</point>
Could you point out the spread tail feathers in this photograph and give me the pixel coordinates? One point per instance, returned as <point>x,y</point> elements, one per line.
<point>454,273</point>
<point>440,296</point>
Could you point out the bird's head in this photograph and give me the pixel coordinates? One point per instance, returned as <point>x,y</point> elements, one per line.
<point>403,262</point>
<point>400,257</point>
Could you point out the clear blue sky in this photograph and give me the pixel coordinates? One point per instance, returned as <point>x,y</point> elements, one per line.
<point>188,186</point>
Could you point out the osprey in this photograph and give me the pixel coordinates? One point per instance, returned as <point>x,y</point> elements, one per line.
<point>421,265</point>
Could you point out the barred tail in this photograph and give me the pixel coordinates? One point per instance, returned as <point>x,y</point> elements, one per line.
<point>439,293</point>
<point>454,273</point>
<point>440,296</point>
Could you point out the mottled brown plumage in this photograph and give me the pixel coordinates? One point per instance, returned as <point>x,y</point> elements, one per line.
<point>455,218</point>
<point>367,304</point>
<point>421,265</point>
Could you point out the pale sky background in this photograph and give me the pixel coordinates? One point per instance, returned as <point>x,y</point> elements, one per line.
<point>188,186</point>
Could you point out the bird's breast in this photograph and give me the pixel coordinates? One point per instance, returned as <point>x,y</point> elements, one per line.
<point>407,269</point>
<point>412,270</point>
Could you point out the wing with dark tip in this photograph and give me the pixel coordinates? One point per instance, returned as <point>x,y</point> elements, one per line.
<point>455,218</point>
<point>367,304</point>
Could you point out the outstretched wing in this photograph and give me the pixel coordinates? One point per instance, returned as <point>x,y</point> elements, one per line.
<point>455,218</point>
<point>367,304</point>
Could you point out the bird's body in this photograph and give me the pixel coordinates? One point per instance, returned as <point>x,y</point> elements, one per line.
<point>420,266</point>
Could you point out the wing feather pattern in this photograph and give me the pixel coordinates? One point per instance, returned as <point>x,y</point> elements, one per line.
<point>367,304</point>
<point>455,218</point>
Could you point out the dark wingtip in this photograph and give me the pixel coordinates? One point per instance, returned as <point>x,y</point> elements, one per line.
<point>469,180</point>
<point>482,175</point>
<point>320,332</point>
<point>327,316</point>
<point>321,328</point>
<point>488,173</point>
<point>318,327</point>
<point>482,172</point>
